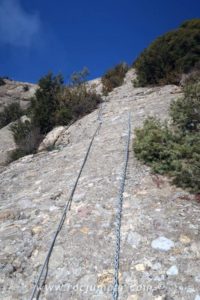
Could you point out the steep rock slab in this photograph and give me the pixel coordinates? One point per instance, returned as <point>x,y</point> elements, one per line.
<point>34,190</point>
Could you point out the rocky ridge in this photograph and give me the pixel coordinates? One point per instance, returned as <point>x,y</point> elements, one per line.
<point>160,256</point>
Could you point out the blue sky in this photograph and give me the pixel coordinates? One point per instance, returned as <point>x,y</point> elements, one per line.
<point>64,36</point>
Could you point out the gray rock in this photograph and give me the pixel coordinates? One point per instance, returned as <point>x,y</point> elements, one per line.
<point>156,266</point>
<point>13,91</point>
<point>8,269</point>
<point>162,243</point>
<point>59,254</point>
<point>197,278</point>
<point>134,239</point>
<point>51,138</point>
<point>172,271</point>
<point>7,144</point>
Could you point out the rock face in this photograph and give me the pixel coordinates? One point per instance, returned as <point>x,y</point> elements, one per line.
<point>7,144</point>
<point>34,190</point>
<point>14,91</point>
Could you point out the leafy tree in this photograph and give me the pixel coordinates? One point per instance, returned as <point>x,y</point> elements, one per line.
<point>46,101</point>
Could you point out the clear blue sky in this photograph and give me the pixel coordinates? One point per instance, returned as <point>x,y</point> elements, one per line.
<point>64,36</point>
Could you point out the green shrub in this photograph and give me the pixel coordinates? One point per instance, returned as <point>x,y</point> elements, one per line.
<point>186,174</point>
<point>79,78</point>
<point>25,88</point>
<point>114,77</point>
<point>63,115</point>
<point>192,77</point>
<point>170,55</point>
<point>185,112</point>
<point>27,137</point>
<point>152,145</point>
<point>174,150</point>
<point>10,113</point>
<point>80,101</point>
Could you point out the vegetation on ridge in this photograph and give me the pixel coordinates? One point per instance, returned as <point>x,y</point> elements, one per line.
<point>53,104</point>
<point>2,81</point>
<point>169,56</point>
<point>114,77</point>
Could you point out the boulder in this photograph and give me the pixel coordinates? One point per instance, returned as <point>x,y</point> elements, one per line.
<point>51,138</point>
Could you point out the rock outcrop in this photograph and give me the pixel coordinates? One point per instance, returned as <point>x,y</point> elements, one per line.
<point>96,85</point>
<point>7,144</point>
<point>10,92</point>
<point>15,91</point>
<point>51,138</point>
<point>160,250</point>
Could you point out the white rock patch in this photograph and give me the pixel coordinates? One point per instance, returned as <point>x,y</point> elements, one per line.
<point>162,243</point>
<point>173,271</point>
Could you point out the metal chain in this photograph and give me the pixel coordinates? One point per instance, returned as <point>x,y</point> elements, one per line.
<point>40,282</point>
<point>115,292</point>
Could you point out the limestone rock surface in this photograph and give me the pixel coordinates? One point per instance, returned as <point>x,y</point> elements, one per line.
<point>15,91</point>
<point>33,193</point>
<point>7,144</point>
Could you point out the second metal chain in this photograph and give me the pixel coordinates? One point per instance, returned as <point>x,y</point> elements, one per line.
<point>115,292</point>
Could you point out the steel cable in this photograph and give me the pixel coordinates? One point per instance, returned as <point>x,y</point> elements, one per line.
<point>40,282</point>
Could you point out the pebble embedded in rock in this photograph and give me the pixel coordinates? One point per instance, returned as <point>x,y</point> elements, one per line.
<point>140,267</point>
<point>184,239</point>
<point>133,297</point>
<point>156,266</point>
<point>134,239</point>
<point>173,271</point>
<point>162,243</point>
<point>197,278</point>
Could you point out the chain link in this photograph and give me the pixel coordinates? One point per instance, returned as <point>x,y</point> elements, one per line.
<point>115,292</point>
